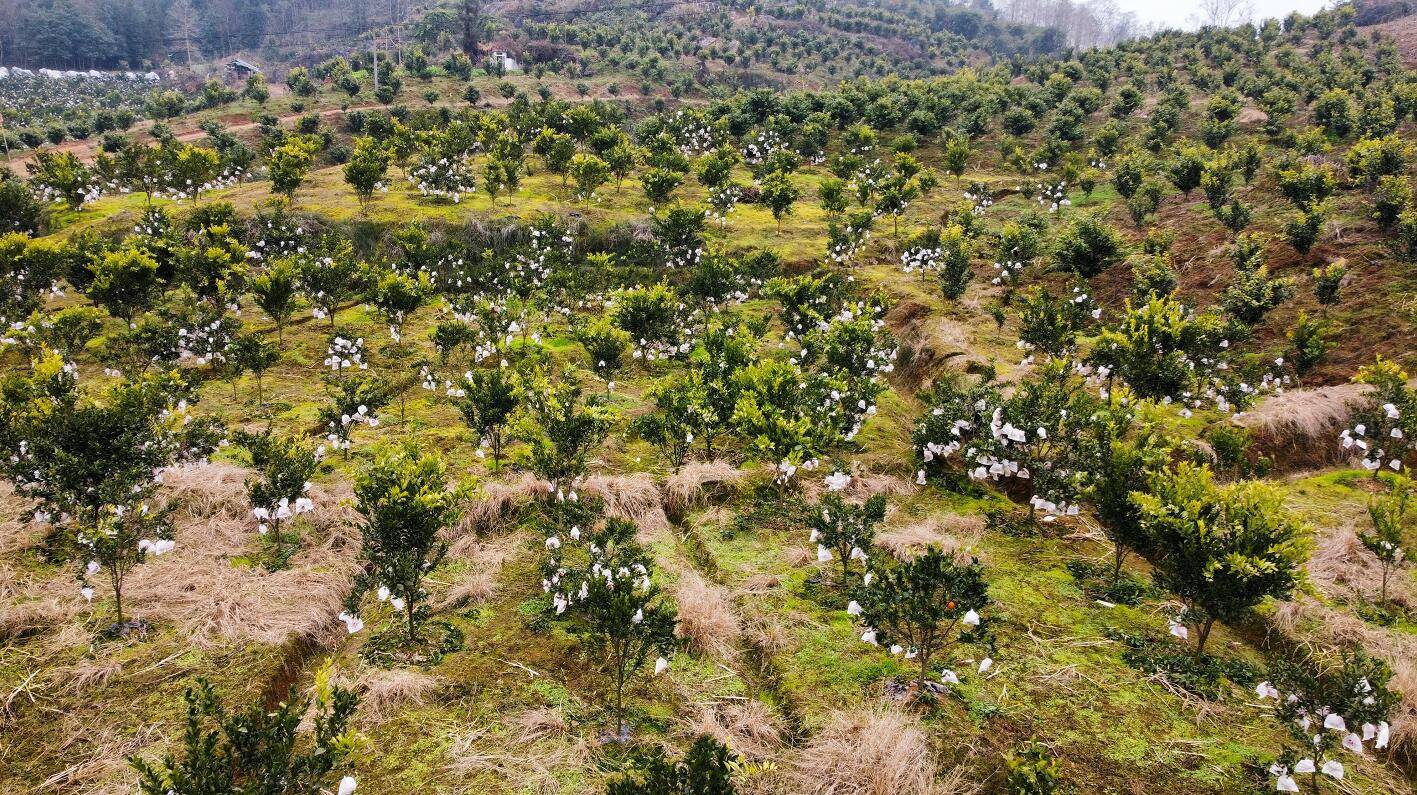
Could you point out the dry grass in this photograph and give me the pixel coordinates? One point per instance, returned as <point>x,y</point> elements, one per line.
<point>1342,566</point>
<point>500,503</point>
<point>798,556</point>
<point>198,588</point>
<point>634,498</point>
<point>102,751</point>
<point>871,752</point>
<point>485,561</point>
<point>766,633</point>
<point>528,754</point>
<point>865,485</point>
<point>747,726</point>
<point>761,583</point>
<point>929,342</point>
<point>207,491</point>
<point>385,693</point>
<point>1299,429</point>
<point>16,535</point>
<point>539,723</point>
<point>955,534</point>
<point>1404,718</point>
<point>34,609</point>
<point>706,617</point>
<point>696,481</point>
<point>90,673</point>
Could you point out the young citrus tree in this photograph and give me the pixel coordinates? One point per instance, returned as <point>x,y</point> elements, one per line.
<point>1391,515</point>
<point>1383,432</point>
<point>75,453</point>
<point>922,605</point>
<point>1221,549</point>
<point>779,194</point>
<point>561,429</point>
<point>677,415</point>
<point>125,282</point>
<point>367,167</point>
<point>354,400</point>
<point>606,345</point>
<point>613,601</point>
<point>256,750</point>
<point>1328,703</point>
<point>121,540</point>
<point>277,491</point>
<point>589,173</point>
<point>489,398</point>
<point>331,278</point>
<point>290,163</point>
<point>406,502</point>
<point>1121,461</point>
<point>846,531</point>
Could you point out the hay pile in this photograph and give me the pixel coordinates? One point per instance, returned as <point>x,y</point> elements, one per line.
<point>698,481</point>
<point>500,502</point>
<point>955,534</point>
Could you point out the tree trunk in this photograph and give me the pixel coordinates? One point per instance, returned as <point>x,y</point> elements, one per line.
<point>1203,635</point>
<point>619,691</point>
<point>117,593</point>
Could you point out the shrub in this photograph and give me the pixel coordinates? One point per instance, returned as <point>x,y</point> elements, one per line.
<point>1303,230</point>
<point>704,770</point>
<point>1393,195</point>
<point>1328,279</point>
<point>1032,770</point>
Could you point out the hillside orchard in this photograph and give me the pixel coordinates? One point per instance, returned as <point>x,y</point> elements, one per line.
<point>1042,427</point>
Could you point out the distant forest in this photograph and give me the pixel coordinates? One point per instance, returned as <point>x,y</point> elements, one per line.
<point>110,34</point>
<point>131,33</point>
